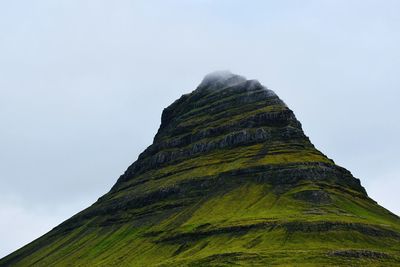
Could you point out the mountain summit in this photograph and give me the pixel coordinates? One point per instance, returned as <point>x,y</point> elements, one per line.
<point>230,179</point>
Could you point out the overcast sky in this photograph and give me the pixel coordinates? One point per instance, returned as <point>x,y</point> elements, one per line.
<point>83,84</point>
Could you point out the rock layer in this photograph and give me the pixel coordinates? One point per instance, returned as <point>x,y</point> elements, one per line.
<point>230,178</point>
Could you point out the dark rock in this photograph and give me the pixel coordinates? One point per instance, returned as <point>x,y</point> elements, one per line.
<point>359,254</point>
<point>313,196</point>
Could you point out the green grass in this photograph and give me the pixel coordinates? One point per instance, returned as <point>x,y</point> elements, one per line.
<point>249,204</point>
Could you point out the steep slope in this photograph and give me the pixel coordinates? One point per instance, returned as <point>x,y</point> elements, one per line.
<point>229,179</point>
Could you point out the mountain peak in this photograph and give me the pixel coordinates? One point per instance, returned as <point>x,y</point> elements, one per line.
<point>219,85</point>
<point>230,179</point>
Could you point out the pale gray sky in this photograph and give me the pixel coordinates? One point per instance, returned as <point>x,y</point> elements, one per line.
<point>83,84</point>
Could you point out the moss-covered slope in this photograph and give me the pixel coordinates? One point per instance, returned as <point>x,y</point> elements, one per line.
<point>230,179</point>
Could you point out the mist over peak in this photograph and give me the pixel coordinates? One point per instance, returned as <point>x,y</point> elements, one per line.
<point>222,78</point>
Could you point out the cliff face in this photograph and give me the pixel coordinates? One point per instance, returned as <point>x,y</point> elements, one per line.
<point>230,178</point>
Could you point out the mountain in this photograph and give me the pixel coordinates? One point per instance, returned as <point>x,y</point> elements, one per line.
<point>230,179</point>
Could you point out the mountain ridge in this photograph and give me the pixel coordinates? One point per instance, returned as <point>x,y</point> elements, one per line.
<point>230,178</point>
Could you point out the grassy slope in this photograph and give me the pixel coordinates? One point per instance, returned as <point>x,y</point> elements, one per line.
<point>196,235</point>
